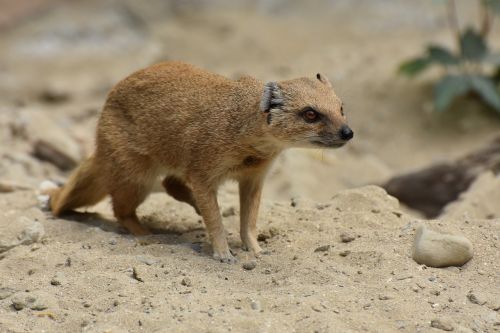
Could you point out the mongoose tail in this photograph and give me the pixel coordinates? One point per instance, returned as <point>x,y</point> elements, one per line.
<point>83,188</point>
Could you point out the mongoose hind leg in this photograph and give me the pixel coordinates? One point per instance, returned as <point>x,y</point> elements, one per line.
<point>250,193</point>
<point>125,202</point>
<point>206,199</point>
<point>180,191</point>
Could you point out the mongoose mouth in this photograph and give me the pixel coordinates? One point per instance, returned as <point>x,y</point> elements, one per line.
<point>334,144</point>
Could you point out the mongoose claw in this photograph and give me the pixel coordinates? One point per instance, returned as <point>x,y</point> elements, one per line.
<point>255,249</point>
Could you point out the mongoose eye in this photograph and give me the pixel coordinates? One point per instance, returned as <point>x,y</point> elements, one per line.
<point>310,115</point>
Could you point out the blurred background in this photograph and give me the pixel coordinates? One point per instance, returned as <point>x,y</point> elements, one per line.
<point>59,59</point>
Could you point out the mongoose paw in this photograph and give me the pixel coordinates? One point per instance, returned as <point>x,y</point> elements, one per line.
<point>226,257</point>
<point>142,231</point>
<point>255,249</point>
<point>135,228</point>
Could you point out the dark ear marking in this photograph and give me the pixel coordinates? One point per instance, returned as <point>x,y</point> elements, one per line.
<point>272,97</point>
<point>323,79</point>
<point>269,118</point>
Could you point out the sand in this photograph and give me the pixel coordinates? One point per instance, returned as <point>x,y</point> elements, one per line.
<point>339,258</point>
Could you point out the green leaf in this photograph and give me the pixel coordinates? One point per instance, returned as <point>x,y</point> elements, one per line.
<point>486,88</point>
<point>493,58</point>
<point>450,87</point>
<point>472,45</point>
<point>441,55</point>
<point>494,4</point>
<point>413,67</point>
<point>496,76</point>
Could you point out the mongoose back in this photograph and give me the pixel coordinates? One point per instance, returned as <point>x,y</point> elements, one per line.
<point>198,129</point>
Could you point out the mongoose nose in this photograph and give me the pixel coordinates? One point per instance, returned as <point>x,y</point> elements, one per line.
<point>346,133</point>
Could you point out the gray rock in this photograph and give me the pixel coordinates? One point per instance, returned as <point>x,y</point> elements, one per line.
<point>32,234</point>
<point>35,301</point>
<point>21,300</point>
<point>434,249</point>
<point>249,265</point>
<point>39,304</point>
<point>52,142</point>
<point>442,324</point>
<point>23,232</point>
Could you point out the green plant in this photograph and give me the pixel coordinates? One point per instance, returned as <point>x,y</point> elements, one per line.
<point>473,70</point>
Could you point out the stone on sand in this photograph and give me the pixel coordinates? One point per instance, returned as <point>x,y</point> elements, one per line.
<point>434,249</point>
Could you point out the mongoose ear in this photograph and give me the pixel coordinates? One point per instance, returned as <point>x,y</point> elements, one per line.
<point>323,79</point>
<point>272,98</point>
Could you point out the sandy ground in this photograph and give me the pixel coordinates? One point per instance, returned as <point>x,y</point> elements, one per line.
<point>82,273</point>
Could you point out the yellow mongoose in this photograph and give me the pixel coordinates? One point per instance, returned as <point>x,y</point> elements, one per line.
<point>198,129</point>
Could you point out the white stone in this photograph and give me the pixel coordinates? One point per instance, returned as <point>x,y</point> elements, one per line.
<point>434,249</point>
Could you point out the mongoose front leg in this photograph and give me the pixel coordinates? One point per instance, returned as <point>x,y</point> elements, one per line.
<point>206,200</point>
<point>250,193</point>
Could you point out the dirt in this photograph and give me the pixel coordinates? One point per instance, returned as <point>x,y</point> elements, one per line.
<point>338,252</point>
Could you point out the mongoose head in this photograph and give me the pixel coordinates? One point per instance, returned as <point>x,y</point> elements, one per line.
<point>305,112</point>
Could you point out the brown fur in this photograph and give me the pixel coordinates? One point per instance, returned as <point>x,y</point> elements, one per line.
<point>198,129</point>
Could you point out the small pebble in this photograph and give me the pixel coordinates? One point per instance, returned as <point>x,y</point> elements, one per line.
<point>249,265</point>
<point>255,305</point>
<point>186,282</point>
<point>434,249</point>
<point>344,253</point>
<point>231,211</point>
<point>58,279</point>
<point>474,298</point>
<point>442,324</point>
<point>322,248</point>
<point>19,301</point>
<point>347,238</point>
<point>137,275</point>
